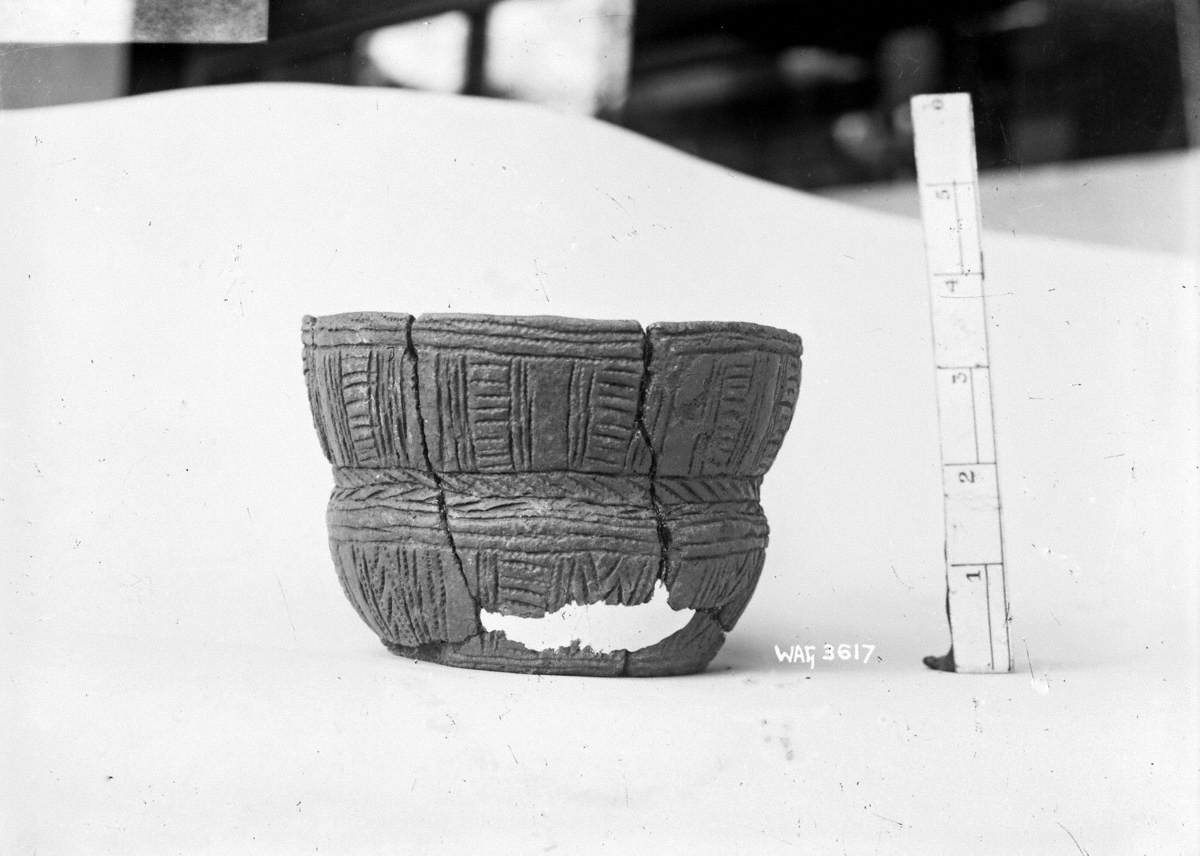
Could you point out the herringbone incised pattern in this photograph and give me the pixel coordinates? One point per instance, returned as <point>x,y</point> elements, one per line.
<point>521,464</point>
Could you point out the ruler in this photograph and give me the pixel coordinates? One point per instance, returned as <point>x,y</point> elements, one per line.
<point>976,594</point>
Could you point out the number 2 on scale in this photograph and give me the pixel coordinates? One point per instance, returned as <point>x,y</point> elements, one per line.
<point>976,596</point>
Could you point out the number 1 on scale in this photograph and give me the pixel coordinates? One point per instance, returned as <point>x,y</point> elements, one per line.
<point>976,595</point>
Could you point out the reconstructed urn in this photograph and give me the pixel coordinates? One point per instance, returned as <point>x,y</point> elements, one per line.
<point>498,478</point>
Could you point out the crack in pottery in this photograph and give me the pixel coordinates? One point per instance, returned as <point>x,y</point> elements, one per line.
<point>518,493</point>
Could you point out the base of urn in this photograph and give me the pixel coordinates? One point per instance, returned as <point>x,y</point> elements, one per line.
<point>685,652</point>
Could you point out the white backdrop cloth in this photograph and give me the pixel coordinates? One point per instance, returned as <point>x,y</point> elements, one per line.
<point>184,674</point>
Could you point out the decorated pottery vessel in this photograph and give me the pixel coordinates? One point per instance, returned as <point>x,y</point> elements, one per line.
<point>544,494</point>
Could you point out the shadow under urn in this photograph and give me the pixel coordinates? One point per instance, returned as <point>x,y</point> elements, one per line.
<point>493,472</point>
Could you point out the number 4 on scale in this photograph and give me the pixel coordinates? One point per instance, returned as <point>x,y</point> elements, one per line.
<point>976,598</point>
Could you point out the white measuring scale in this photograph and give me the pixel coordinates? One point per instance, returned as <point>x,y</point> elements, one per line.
<point>976,594</point>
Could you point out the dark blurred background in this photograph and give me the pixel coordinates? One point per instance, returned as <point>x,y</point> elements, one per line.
<point>806,94</point>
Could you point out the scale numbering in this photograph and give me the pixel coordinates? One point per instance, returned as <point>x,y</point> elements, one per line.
<point>976,592</point>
